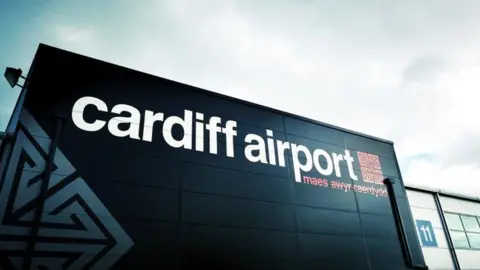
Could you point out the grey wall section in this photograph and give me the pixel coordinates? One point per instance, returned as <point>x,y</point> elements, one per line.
<point>424,208</point>
<point>128,203</point>
<point>462,216</point>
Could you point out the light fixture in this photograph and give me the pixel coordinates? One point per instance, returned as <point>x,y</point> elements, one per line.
<point>13,75</point>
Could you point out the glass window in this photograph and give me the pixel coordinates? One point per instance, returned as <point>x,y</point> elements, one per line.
<point>471,224</point>
<point>459,239</point>
<point>453,222</point>
<point>474,239</point>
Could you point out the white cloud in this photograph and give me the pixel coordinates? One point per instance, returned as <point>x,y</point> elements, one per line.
<point>407,71</point>
<point>462,179</point>
<point>450,132</point>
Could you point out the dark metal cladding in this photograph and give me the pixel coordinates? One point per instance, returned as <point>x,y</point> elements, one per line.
<point>148,173</point>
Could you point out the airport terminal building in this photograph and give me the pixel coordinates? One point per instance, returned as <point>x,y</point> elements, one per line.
<point>105,167</point>
<point>448,227</point>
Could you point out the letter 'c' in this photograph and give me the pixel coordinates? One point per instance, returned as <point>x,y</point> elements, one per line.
<point>78,109</point>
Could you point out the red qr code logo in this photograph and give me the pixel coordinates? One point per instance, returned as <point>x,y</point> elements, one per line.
<point>370,167</point>
<point>363,159</point>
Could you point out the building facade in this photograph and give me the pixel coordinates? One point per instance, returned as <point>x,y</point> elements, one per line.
<point>448,227</point>
<point>111,168</point>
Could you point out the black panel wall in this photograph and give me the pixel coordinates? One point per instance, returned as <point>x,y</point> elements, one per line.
<point>130,203</point>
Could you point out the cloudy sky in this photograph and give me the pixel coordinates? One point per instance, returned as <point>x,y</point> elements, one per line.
<point>407,71</point>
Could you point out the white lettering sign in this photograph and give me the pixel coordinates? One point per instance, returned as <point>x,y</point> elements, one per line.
<point>257,150</point>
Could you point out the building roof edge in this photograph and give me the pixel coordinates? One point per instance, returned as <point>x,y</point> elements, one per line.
<point>448,193</point>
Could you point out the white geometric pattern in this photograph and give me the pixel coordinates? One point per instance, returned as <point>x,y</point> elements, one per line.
<point>76,230</point>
